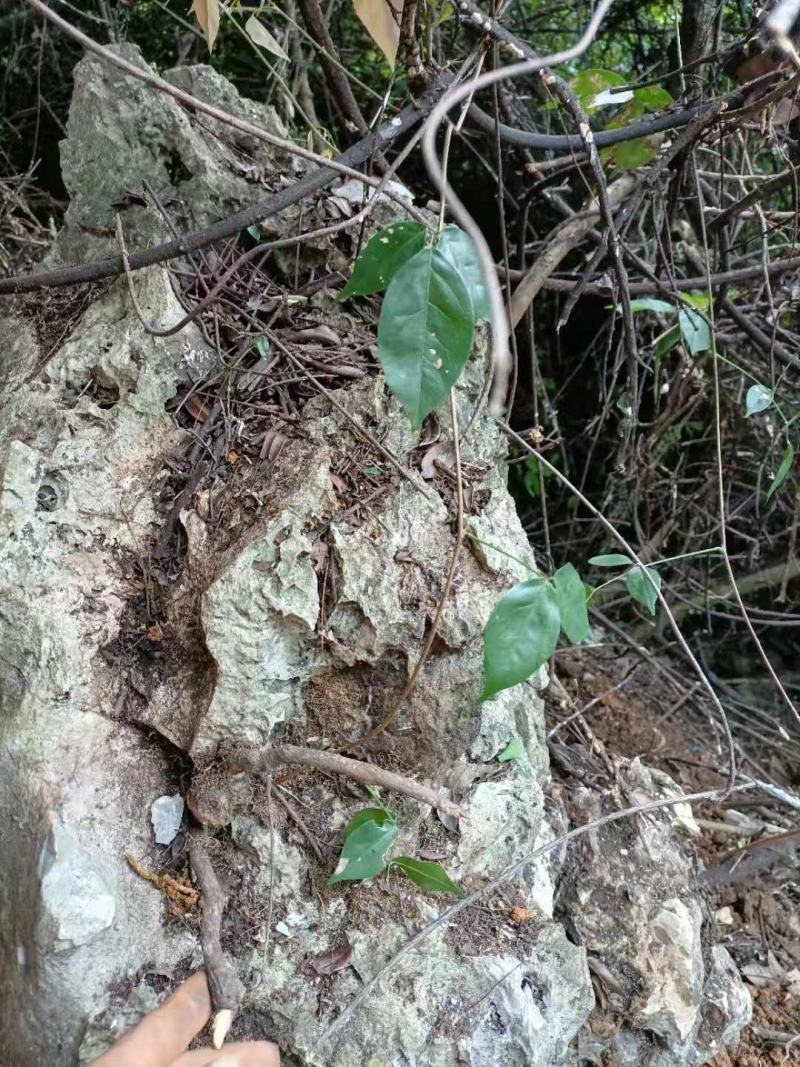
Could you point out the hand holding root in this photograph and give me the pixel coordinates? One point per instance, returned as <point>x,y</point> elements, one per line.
<point>161,1038</point>
<point>223,981</point>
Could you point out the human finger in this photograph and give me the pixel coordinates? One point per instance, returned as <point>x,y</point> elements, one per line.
<point>163,1034</point>
<point>237,1054</point>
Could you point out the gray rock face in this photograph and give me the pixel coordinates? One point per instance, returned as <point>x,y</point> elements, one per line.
<point>441,1008</point>
<point>76,784</point>
<point>122,134</point>
<point>631,894</point>
<point>76,900</point>
<point>305,620</point>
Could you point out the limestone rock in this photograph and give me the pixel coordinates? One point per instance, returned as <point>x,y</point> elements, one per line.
<point>107,1024</point>
<point>632,896</point>
<point>76,900</point>
<point>74,495</point>
<point>271,645</point>
<point>121,134</point>
<point>437,1008</point>
<point>259,618</point>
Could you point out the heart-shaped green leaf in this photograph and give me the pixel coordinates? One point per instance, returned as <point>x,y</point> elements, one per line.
<point>758,398</point>
<point>459,248</point>
<point>701,301</point>
<point>425,332</point>
<point>652,97</point>
<point>368,838</point>
<point>571,598</point>
<point>628,155</point>
<point>590,84</point>
<point>667,341</point>
<point>520,636</point>
<point>384,255</point>
<point>378,815</point>
<point>427,875</point>
<point>642,589</point>
<point>695,331</point>
<point>649,303</point>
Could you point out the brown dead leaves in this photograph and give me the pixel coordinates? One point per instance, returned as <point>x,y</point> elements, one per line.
<point>336,959</point>
<point>207,14</point>
<point>381,20</point>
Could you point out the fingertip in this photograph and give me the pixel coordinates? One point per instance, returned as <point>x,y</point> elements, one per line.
<point>249,1054</point>
<point>196,989</point>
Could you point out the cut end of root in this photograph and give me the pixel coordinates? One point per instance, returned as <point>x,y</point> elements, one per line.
<point>221,1026</point>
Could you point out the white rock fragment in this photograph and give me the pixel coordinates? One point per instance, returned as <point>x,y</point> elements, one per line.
<point>75,896</point>
<point>166,814</point>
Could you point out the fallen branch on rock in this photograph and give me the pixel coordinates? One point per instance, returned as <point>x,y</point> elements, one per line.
<point>273,756</point>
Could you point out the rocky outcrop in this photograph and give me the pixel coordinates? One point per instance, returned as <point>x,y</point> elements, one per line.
<point>76,781</point>
<point>630,895</point>
<point>127,142</point>
<point>299,619</point>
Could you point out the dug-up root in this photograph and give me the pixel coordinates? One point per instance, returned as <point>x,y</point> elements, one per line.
<point>273,756</point>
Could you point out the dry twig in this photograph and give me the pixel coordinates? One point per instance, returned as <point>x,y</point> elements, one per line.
<point>223,981</point>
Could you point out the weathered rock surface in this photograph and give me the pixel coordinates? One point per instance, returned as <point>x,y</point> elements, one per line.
<point>123,136</point>
<point>302,621</point>
<point>631,895</point>
<point>76,782</point>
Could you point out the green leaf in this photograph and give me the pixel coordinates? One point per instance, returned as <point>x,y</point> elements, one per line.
<point>255,231</point>
<point>385,254</point>
<point>643,591</point>
<point>368,838</point>
<point>571,599</point>
<point>612,559</point>
<point>513,750</point>
<point>520,636</point>
<point>782,471</point>
<point>378,815</point>
<point>593,82</point>
<point>425,332</point>
<point>428,876</point>
<point>758,398</point>
<point>667,341</point>
<point>650,303</point>
<point>628,155</point>
<point>652,97</point>
<point>695,331</point>
<point>459,248</point>
<point>701,301</point>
